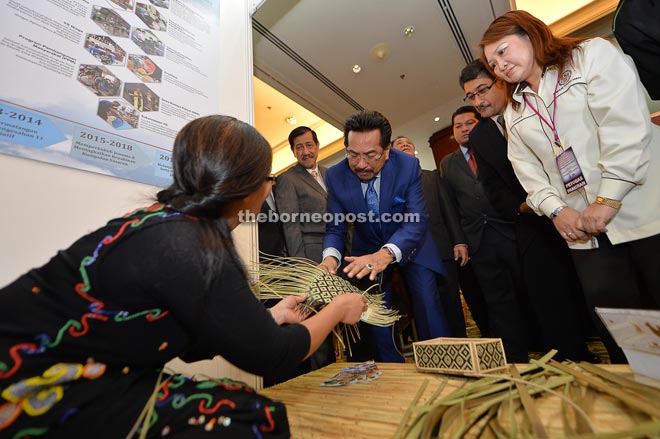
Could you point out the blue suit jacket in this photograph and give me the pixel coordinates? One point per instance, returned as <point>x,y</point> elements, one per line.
<point>400,193</point>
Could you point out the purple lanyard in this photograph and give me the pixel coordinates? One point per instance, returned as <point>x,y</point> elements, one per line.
<point>550,124</point>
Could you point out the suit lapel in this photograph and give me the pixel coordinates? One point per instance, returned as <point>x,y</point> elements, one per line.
<point>387,184</point>
<point>307,178</point>
<point>462,163</point>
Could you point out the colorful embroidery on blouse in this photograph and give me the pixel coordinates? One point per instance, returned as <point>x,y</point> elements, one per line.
<point>36,395</point>
<point>212,412</point>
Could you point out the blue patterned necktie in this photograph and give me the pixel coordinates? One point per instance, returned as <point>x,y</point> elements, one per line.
<point>371,197</point>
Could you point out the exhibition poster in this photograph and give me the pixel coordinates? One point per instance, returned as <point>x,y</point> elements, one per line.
<point>105,85</point>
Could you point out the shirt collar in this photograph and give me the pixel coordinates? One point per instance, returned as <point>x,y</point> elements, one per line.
<point>464,150</point>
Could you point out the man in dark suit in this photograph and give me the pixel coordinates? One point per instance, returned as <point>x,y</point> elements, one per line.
<point>448,236</point>
<point>301,191</point>
<point>491,240</point>
<point>381,190</point>
<point>556,304</point>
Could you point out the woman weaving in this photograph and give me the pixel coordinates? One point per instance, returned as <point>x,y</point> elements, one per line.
<point>84,338</point>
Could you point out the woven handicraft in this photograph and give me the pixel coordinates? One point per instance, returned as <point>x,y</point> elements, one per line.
<point>490,355</point>
<point>280,277</point>
<point>464,356</point>
<point>450,356</point>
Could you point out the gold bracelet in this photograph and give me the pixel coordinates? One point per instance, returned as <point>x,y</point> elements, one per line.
<point>608,202</point>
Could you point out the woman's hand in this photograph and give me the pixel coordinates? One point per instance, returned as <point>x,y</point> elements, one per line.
<point>286,310</point>
<point>596,217</point>
<point>350,307</point>
<point>569,226</point>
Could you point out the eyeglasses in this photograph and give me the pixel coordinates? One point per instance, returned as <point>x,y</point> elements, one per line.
<point>371,157</point>
<point>272,178</point>
<point>479,92</point>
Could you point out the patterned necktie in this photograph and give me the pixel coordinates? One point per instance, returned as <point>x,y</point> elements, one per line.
<point>316,176</point>
<point>371,197</point>
<point>472,163</point>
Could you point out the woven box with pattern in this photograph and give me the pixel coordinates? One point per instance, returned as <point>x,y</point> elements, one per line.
<point>464,356</point>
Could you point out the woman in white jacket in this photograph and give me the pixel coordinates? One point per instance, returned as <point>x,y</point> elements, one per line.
<point>582,145</point>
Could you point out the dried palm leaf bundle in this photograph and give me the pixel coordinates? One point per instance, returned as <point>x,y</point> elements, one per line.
<point>545,400</point>
<point>278,277</point>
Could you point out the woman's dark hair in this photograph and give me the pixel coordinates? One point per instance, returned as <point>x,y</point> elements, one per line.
<point>216,160</point>
<point>548,49</point>
<point>475,69</point>
<point>367,120</point>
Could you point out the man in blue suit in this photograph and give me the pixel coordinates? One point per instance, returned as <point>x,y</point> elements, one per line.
<point>380,191</point>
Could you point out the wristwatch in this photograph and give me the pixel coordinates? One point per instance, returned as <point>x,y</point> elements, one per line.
<point>391,253</point>
<point>608,202</point>
<point>555,212</point>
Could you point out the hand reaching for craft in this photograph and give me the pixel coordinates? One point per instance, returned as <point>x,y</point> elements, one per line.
<point>367,265</point>
<point>329,264</point>
<point>286,310</point>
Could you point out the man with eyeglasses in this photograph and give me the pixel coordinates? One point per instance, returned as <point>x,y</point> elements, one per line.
<point>490,238</point>
<point>302,190</point>
<point>541,249</point>
<point>381,189</point>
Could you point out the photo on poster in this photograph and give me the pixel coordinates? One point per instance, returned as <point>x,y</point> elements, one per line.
<point>99,80</point>
<point>105,49</point>
<point>147,41</point>
<point>124,4</point>
<point>118,113</point>
<point>111,22</point>
<point>150,16</point>
<point>161,3</point>
<point>144,68</point>
<point>141,97</point>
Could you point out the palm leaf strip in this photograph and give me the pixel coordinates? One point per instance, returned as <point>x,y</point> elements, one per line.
<point>528,405</point>
<point>635,401</point>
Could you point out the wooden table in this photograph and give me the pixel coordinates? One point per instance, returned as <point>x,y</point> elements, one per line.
<point>374,409</point>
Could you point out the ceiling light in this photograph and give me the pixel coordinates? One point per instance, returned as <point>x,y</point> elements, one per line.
<point>291,120</point>
<point>408,31</point>
<point>380,52</point>
<point>357,69</point>
<point>437,118</point>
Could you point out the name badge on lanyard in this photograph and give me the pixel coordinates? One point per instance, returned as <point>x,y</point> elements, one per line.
<point>567,163</point>
<point>570,171</point>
